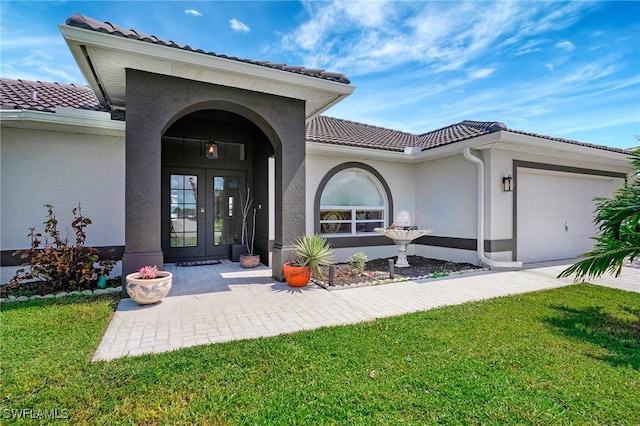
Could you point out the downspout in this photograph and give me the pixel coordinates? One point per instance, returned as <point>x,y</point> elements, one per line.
<point>480,247</point>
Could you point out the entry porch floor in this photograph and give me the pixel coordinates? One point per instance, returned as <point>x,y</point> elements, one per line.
<point>218,303</point>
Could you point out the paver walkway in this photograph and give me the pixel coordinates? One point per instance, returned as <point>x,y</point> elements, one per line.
<point>218,303</point>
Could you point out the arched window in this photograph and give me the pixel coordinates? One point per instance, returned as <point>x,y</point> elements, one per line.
<point>353,202</point>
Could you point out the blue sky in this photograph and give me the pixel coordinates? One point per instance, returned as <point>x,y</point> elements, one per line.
<point>565,69</point>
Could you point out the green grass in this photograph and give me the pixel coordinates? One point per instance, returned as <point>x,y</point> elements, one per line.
<point>564,356</point>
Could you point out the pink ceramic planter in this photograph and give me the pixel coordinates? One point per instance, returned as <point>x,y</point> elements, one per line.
<point>147,291</point>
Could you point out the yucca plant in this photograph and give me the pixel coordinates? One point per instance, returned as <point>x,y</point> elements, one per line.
<point>618,219</point>
<point>314,252</point>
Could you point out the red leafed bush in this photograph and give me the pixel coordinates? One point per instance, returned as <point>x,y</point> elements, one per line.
<point>63,266</point>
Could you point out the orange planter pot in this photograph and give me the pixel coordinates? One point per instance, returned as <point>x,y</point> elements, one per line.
<point>296,276</point>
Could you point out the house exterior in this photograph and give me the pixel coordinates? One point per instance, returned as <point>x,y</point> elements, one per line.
<point>166,143</point>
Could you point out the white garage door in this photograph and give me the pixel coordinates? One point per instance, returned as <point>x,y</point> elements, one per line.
<point>555,213</point>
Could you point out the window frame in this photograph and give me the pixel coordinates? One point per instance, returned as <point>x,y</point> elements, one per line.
<point>353,222</point>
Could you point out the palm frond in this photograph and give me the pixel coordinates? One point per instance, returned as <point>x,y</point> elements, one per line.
<point>597,264</point>
<point>618,219</point>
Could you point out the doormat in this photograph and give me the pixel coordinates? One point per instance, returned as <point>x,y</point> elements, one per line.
<point>198,263</point>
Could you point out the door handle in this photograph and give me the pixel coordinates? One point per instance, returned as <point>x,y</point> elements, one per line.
<point>566,227</point>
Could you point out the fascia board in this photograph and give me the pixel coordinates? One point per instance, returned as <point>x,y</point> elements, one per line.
<point>550,147</point>
<point>344,151</point>
<point>10,118</point>
<point>184,57</point>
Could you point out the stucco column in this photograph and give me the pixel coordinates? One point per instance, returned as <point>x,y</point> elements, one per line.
<point>143,180</point>
<point>290,220</point>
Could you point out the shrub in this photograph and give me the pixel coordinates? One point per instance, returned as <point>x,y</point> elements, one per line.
<point>54,261</point>
<point>315,252</point>
<point>357,261</point>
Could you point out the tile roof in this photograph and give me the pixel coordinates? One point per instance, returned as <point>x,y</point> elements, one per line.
<point>81,21</point>
<point>458,132</point>
<point>343,132</point>
<point>336,131</point>
<point>43,96</point>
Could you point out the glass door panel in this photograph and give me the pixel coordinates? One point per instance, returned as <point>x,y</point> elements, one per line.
<point>224,216</point>
<point>226,204</point>
<point>184,210</point>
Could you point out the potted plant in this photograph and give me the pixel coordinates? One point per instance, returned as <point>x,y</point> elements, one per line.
<point>148,285</point>
<point>312,253</point>
<point>249,259</point>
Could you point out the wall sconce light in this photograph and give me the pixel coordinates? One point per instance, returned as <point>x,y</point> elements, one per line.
<point>211,150</point>
<point>507,184</point>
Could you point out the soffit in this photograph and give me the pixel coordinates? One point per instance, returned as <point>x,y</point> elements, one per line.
<point>103,59</point>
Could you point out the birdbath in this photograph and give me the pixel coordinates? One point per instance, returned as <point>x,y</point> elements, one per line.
<point>402,234</point>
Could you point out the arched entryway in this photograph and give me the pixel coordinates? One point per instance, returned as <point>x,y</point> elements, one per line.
<point>213,161</point>
<point>271,128</point>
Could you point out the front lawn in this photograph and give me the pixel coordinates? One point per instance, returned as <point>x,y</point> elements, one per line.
<point>564,356</point>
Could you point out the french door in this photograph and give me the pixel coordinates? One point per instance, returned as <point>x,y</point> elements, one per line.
<point>201,212</point>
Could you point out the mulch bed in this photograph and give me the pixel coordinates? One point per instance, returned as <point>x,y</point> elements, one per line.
<point>377,272</point>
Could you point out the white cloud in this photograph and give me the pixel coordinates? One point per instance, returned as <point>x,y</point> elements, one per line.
<point>565,45</point>
<point>25,58</point>
<point>238,26</point>
<point>356,37</point>
<point>192,12</point>
<point>371,15</point>
<point>28,42</point>
<point>481,73</point>
<point>530,46</point>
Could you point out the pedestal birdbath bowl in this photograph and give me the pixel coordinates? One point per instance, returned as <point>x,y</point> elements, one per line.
<point>402,238</point>
<point>402,235</point>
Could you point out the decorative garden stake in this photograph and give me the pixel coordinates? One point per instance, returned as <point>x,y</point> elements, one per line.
<point>392,272</point>
<point>332,275</point>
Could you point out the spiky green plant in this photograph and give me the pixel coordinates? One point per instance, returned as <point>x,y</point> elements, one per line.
<point>313,251</point>
<point>618,219</point>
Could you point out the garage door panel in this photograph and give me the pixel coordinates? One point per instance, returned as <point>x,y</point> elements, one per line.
<point>555,212</point>
<point>541,227</point>
<point>530,203</point>
<point>555,248</point>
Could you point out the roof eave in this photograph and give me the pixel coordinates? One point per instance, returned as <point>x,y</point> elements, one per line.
<point>335,150</point>
<point>27,119</point>
<point>548,147</point>
<point>319,94</point>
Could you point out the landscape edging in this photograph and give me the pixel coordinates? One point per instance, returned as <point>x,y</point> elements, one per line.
<point>96,292</point>
<point>433,276</point>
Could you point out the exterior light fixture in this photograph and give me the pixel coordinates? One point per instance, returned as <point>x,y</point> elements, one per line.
<point>507,184</point>
<point>211,150</point>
